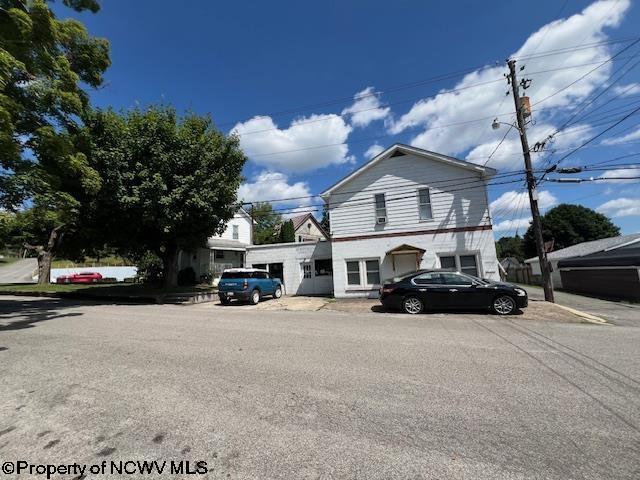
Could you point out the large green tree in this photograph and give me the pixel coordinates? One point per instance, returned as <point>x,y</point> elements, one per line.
<point>268,221</point>
<point>287,232</point>
<point>168,182</point>
<point>569,225</point>
<point>44,64</point>
<point>510,247</point>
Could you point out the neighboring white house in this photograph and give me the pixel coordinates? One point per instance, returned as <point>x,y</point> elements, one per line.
<point>580,250</point>
<point>307,228</point>
<point>405,209</point>
<point>223,251</point>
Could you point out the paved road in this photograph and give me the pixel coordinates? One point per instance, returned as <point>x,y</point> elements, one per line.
<point>19,271</point>
<point>619,313</point>
<point>260,395</point>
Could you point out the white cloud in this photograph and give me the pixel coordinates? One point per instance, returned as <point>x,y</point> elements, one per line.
<point>635,135</point>
<point>366,108</point>
<point>262,141</point>
<point>274,186</point>
<point>619,175</point>
<point>373,150</point>
<point>621,207</point>
<point>512,202</point>
<point>626,90</point>
<point>508,225</point>
<point>585,27</point>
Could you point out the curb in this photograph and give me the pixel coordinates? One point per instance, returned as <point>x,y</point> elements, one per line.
<point>587,316</point>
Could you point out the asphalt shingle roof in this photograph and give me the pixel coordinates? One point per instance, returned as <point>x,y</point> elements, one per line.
<point>585,248</point>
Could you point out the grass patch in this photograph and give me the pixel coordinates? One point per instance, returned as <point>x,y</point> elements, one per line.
<point>114,291</point>
<point>111,261</point>
<point>7,260</point>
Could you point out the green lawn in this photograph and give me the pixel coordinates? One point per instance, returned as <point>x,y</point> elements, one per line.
<point>110,261</point>
<point>121,290</point>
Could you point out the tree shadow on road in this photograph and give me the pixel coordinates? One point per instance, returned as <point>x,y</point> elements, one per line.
<point>17,314</point>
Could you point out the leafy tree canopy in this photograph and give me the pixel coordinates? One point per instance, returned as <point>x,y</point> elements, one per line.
<point>510,247</point>
<point>168,182</point>
<point>267,223</point>
<point>569,225</point>
<point>287,232</point>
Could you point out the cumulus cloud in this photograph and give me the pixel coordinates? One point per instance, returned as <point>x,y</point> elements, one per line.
<point>509,225</point>
<point>635,135</point>
<point>373,150</point>
<point>626,90</point>
<point>293,149</point>
<point>619,175</point>
<point>465,102</point>
<point>621,207</point>
<point>274,186</point>
<point>512,202</point>
<point>366,108</point>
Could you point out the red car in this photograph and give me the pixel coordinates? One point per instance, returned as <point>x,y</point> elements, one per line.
<point>83,277</point>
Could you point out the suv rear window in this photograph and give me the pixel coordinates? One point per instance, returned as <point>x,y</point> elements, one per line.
<point>240,275</point>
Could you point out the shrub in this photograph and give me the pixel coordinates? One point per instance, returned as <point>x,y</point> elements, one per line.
<point>150,268</point>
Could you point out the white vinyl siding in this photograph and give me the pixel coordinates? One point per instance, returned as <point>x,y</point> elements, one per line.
<point>424,204</point>
<point>381,208</point>
<point>400,179</point>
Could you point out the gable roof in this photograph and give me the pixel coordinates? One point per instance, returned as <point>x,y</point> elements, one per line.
<point>299,220</point>
<point>586,248</point>
<point>399,149</point>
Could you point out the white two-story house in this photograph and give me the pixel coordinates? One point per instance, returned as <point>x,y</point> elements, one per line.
<point>404,210</point>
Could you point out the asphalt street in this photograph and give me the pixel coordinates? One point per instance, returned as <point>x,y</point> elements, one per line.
<point>262,394</point>
<point>18,271</point>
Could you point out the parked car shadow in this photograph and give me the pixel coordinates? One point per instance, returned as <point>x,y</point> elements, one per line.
<point>382,309</point>
<point>17,314</point>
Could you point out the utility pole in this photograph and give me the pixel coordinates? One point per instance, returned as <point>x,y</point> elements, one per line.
<point>531,186</point>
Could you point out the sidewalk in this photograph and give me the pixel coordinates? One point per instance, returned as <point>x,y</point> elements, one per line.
<point>618,313</point>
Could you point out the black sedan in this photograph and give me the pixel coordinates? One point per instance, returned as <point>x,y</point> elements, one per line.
<point>443,290</point>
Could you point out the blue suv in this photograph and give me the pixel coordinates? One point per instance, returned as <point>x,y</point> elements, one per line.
<point>247,284</point>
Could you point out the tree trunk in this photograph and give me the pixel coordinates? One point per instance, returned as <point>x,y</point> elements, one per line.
<point>170,261</point>
<point>46,255</point>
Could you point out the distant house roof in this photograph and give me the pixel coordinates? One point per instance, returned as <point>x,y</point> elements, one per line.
<point>300,220</point>
<point>586,248</point>
<point>620,257</point>
<point>399,149</point>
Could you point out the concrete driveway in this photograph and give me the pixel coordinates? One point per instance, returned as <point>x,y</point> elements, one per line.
<point>20,271</point>
<point>262,394</point>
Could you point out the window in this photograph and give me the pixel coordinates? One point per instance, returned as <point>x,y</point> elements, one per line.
<point>381,208</point>
<point>468,265</point>
<point>431,278</point>
<point>219,254</point>
<point>461,263</point>
<point>448,263</point>
<point>261,266</point>
<point>306,270</point>
<point>456,279</point>
<point>424,204</point>
<point>373,272</point>
<point>353,273</point>
<point>323,267</point>
<point>363,273</point>
<point>236,234</point>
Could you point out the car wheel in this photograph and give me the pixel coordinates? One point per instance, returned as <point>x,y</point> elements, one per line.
<point>278,292</point>
<point>412,305</point>
<point>503,305</point>
<point>255,297</point>
<point>225,301</point>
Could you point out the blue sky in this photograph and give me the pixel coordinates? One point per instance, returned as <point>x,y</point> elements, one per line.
<point>286,75</point>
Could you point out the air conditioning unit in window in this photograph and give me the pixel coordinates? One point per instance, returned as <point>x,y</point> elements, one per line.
<point>381,219</point>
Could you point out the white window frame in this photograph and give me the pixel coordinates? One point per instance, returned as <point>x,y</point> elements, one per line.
<point>362,272</point>
<point>457,255</point>
<point>420,204</point>
<point>380,209</point>
<point>235,232</point>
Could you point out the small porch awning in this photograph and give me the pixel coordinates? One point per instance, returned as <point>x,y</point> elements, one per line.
<point>405,249</point>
